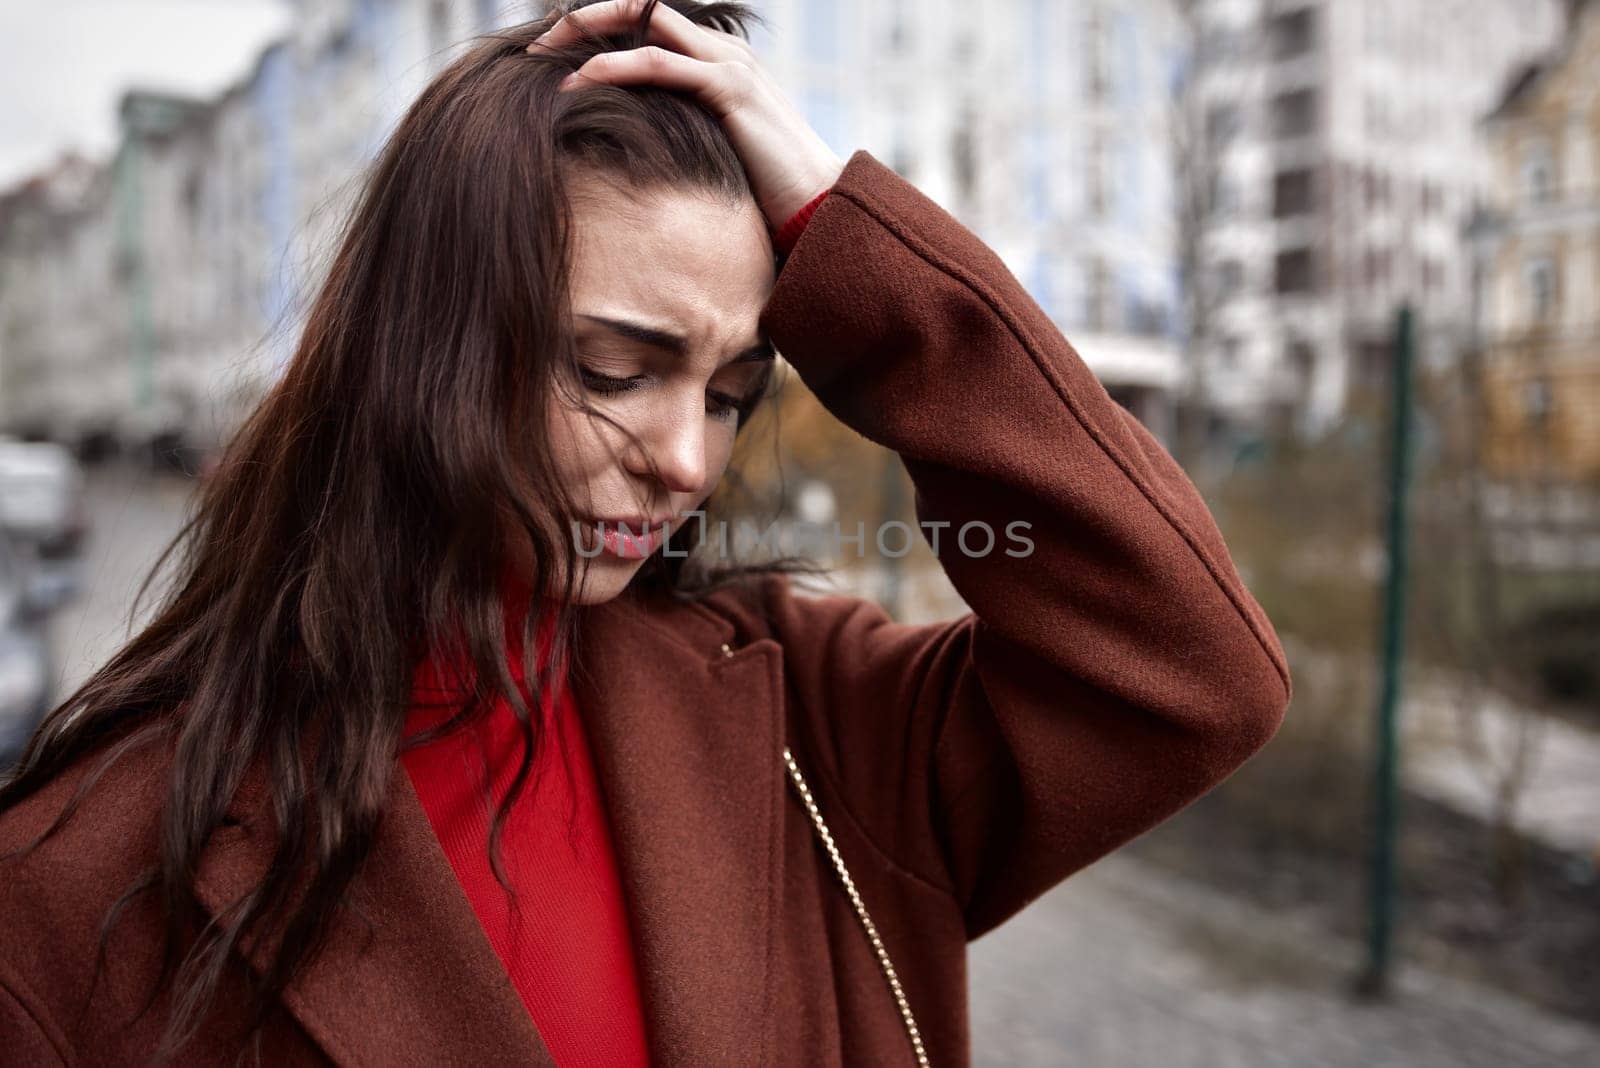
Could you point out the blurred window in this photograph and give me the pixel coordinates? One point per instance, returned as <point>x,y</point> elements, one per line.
<point>1541,274</point>
<point>1230,279</point>
<point>1293,193</point>
<point>1301,358</point>
<point>1224,196</point>
<point>1220,43</point>
<point>1222,123</point>
<point>1374,363</point>
<point>1432,199</point>
<point>1293,34</point>
<point>1144,317</point>
<point>1296,271</point>
<point>1097,62</point>
<point>1294,114</point>
<point>1432,274</point>
<point>191,193</point>
<point>1375,189</point>
<point>1537,401</point>
<point>1538,174</point>
<point>1228,353</point>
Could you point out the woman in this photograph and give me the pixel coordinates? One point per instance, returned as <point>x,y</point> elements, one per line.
<point>241,834</point>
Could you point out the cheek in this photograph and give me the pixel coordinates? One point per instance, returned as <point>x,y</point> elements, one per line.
<point>562,437</point>
<point>577,446</point>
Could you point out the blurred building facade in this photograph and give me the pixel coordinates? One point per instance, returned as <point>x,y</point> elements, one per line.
<point>1342,158</point>
<point>1342,155</point>
<point>57,288</point>
<point>1541,301</point>
<point>152,299</point>
<point>1042,126</point>
<point>174,279</point>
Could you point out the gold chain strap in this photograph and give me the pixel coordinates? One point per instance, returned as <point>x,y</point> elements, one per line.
<point>861,909</point>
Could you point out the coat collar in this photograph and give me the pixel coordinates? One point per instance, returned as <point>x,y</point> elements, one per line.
<point>686,734</point>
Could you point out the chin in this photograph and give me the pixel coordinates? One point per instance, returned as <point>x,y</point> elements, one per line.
<point>605,578</point>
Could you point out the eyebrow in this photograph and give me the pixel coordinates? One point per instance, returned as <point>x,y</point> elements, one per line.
<point>674,343</point>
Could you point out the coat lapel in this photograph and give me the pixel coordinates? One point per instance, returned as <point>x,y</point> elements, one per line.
<point>687,742</point>
<point>425,987</point>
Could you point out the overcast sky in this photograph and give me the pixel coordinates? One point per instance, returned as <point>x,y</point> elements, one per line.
<point>63,63</point>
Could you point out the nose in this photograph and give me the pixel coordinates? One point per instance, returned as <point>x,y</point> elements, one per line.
<point>677,444</point>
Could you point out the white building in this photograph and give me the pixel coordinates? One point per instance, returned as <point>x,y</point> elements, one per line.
<point>358,65</point>
<point>60,298</point>
<point>154,297</point>
<point>1346,160</point>
<point>1041,125</point>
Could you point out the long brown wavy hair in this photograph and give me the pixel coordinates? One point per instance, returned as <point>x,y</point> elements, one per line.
<point>364,511</point>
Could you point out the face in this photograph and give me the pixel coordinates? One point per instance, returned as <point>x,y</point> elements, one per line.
<point>667,290</point>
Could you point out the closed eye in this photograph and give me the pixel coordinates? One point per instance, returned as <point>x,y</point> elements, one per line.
<point>610,384</point>
<point>721,405</point>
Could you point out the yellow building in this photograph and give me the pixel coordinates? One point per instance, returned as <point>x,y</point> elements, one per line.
<point>1542,271</point>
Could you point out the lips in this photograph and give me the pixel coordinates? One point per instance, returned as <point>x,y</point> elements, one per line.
<point>631,537</point>
<point>633,524</point>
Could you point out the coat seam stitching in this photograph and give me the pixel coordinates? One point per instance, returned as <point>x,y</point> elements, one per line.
<point>18,990</point>
<point>825,774</point>
<point>885,857</point>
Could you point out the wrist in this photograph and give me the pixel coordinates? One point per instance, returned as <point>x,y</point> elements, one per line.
<point>788,233</point>
<point>809,179</point>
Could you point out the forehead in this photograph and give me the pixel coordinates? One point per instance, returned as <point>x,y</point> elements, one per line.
<point>698,261</point>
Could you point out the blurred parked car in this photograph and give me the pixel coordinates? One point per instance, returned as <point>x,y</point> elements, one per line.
<point>43,510</point>
<point>26,671</point>
<point>42,497</point>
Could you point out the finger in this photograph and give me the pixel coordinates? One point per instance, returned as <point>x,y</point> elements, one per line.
<point>735,47</point>
<point>667,27</point>
<point>714,84</point>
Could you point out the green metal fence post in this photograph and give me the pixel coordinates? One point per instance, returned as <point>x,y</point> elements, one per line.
<point>1386,793</point>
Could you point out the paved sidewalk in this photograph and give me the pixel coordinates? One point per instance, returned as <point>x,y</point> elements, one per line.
<point>1455,759</point>
<point>1450,758</point>
<point>1128,966</point>
<point>132,515</point>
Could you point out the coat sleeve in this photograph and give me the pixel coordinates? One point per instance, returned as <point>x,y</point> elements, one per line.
<point>1103,680</point>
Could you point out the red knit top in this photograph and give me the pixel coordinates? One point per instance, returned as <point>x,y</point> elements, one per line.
<point>564,939</point>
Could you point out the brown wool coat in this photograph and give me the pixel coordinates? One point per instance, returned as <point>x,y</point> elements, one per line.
<point>1100,685</point>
